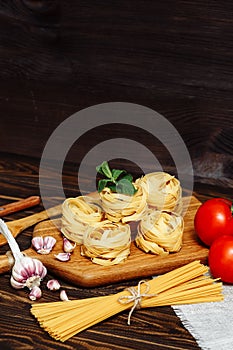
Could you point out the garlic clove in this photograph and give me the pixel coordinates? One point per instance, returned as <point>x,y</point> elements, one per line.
<point>49,242</point>
<point>16,275</point>
<point>37,242</point>
<point>35,293</point>
<point>29,267</point>
<point>63,256</point>
<point>53,285</point>
<point>43,245</point>
<point>39,268</point>
<point>63,295</point>
<point>68,247</point>
<point>16,284</point>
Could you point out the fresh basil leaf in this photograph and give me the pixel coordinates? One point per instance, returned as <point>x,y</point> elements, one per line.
<point>106,170</point>
<point>116,173</point>
<point>124,186</point>
<point>102,184</point>
<point>116,180</point>
<point>99,169</point>
<point>112,187</point>
<point>128,177</point>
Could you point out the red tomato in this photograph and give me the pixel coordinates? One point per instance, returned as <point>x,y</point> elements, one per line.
<point>213,219</point>
<point>221,258</point>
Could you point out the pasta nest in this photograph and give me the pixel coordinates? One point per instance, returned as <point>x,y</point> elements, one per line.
<point>163,191</point>
<point>78,214</point>
<point>108,244</point>
<point>160,232</point>
<point>121,207</point>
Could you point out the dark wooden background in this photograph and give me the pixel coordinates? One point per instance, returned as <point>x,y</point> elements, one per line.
<point>175,57</point>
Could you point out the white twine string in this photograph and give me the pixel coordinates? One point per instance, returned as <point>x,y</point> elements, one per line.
<point>136,297</point>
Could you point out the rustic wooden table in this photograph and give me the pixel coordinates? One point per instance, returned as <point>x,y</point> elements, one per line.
<point>150,329</point>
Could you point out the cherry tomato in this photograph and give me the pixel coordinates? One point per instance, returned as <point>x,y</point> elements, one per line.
<point>221,258</point>
<point>213,219</point>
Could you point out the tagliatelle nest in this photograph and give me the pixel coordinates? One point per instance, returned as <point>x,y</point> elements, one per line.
<point>78,214</point>
<point>160,232</point>
<point>121,207</point>
<point>163,191</point>
<point>108,244</point>
<point>100,225</point>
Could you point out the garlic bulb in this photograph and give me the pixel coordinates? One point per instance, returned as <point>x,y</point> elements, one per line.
<point>26,272</point>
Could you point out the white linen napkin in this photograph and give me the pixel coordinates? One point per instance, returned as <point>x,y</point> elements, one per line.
<point>211,324</point>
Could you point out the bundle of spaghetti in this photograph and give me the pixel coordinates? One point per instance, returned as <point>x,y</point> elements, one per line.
<point>78,214</point>
<point>185,285</point>
<point>122,207</point>
<point>160,232</point>
<point>108,244</point>
<point>163,190</point>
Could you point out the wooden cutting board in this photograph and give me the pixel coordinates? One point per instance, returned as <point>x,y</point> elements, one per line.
<point>81,271</point>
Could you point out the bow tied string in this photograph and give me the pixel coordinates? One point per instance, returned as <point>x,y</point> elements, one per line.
<point>136,297</point>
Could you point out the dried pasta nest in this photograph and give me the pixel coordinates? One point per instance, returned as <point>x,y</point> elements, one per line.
<point>163,191</point>
<point>121,207</point>
<point>160,232</point>
<point>78,214</point>
<point>108,244</point>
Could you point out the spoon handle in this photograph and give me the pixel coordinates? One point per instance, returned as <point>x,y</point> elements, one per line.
<point>19,205</point>
<point>17,226</point>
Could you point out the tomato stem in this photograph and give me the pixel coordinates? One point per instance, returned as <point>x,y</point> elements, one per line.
<point>232,209</point>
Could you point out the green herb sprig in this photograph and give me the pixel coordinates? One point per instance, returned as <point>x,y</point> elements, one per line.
<point>117,180</point>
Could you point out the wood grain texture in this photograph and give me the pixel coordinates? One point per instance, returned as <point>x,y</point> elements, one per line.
<point>172,56</point>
